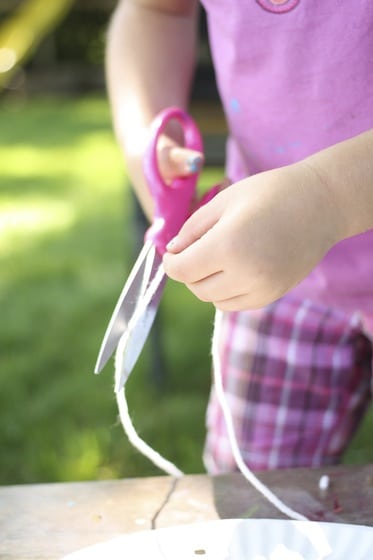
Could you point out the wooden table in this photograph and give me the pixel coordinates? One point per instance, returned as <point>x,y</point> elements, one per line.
<point>47,521</point>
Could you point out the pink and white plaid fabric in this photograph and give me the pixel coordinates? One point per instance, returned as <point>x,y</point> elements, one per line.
<point>297,378</point>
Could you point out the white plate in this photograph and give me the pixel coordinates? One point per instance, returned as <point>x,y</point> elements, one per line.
<point>238,539</point>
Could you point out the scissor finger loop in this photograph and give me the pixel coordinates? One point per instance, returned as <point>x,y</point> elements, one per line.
<point>172,202</point>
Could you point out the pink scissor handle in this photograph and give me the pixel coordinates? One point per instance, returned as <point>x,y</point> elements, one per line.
<point>172,202</point>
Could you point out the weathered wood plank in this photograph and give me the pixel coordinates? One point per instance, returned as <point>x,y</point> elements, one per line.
<point>48,521</point>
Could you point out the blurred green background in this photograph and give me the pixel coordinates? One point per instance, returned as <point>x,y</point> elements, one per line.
<point>68,237</point>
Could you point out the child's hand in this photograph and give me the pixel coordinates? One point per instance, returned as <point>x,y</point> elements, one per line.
<point>255,240</point>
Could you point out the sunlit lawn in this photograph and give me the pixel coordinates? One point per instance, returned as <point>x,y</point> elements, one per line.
<point>66,246</point>
<point>67,242</point>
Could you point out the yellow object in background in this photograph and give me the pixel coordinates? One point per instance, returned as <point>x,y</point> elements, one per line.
<point>23,31</point>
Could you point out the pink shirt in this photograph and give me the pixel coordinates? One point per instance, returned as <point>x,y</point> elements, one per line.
<point>296,76</point>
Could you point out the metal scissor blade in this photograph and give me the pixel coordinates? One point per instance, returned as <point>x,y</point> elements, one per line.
<point>126,305</point>
<point>139,329</point>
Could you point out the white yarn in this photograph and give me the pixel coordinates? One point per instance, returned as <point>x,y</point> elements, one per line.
<point>152,454</point>
<point>247,473</point>
<point>125,419</point>
<point>155,457</point>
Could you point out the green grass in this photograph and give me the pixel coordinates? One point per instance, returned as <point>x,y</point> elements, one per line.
<point>66,246</point>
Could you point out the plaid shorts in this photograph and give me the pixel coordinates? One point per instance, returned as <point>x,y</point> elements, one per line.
<point>297,378</point>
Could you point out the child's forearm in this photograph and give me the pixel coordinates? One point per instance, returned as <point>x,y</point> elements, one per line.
<point>346,170</point>
<point>149,64</point>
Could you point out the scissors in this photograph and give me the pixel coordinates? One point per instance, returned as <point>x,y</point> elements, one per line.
<point>138,303</point>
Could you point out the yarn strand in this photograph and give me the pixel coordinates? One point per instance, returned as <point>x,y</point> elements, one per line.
<point>246,472</point>
<point>128,427</point>
<point>133,437</point>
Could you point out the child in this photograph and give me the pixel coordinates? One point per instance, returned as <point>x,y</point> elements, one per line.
<point>286,250</point>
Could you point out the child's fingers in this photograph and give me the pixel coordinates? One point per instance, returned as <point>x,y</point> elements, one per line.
<point>197,226</point>
<point>175,161</point>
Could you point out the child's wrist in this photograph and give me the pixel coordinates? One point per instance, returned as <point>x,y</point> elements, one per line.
<point>329,220</point>
<point>344,173</point>
<point>333,217</point>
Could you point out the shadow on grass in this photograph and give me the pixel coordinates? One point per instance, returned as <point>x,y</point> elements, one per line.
<point>19,187</point>
<point>49,124</point>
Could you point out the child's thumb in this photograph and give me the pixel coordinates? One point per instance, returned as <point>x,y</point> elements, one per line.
<point>175,161</point>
